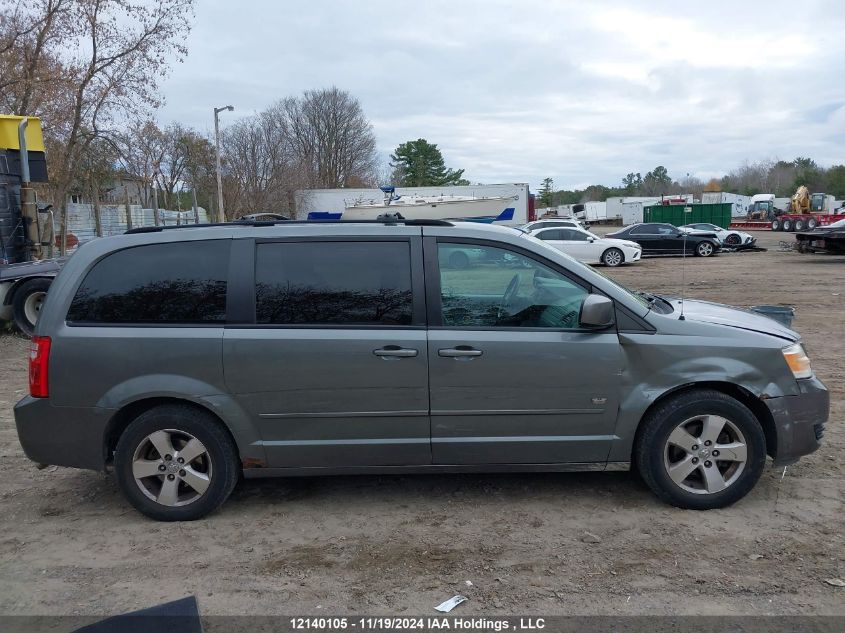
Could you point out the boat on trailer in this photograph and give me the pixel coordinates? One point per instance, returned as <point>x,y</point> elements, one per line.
<point>415,207</point>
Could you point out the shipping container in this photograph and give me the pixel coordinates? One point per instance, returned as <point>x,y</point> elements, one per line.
<point>740,203</point>
<point>718,214</point>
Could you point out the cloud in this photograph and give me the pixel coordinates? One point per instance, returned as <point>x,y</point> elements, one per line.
<point>517,91</point>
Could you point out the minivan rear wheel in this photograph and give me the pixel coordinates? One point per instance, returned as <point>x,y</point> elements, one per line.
<point>700,450</point>
<point>176,463</point>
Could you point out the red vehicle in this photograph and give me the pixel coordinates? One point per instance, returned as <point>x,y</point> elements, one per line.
<point>807,211</point>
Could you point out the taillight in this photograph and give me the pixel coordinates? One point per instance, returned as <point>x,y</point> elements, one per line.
<point>39,362</point>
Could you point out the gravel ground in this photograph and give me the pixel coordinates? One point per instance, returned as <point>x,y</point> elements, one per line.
<point>595,543</point>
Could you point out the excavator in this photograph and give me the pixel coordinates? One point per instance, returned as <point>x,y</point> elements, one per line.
<point>807,211</point>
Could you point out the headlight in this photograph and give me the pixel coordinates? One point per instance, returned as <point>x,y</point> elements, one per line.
<point>798,361</point>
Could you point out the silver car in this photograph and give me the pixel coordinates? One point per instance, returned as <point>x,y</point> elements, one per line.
<point>182,358</point>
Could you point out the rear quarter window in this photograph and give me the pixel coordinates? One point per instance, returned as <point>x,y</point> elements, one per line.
<point>177,282</point>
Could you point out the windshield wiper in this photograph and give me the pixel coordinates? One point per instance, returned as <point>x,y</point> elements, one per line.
<point>652,299</point>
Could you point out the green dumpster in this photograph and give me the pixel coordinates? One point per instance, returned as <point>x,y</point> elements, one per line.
<point>718,214</point>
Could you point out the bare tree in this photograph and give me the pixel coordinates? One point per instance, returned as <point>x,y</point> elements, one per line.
<point>108,54</point>
<point>261,169</point>
<point>141,152</point>
<point>330,137</point>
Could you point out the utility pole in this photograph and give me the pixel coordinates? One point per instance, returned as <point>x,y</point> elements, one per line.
<point>221,215</point>
<point>196,210</point>
<point>155,193</point>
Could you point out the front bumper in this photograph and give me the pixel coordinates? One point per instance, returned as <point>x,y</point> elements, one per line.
<point>62,436</point>
<point>799,420</point>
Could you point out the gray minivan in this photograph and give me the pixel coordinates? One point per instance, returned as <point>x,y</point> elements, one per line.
<point>184,357</point>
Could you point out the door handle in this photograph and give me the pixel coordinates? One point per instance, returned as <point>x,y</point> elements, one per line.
<point>389,352</point>
<point>462,351</point>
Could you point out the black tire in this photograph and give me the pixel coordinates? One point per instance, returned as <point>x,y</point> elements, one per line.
<point>650,448</point>
<point>777,225</point>
<point>613,257</point>
<point>458,261</point>
<point>705,249</point>
<point>733,240</point>
<point>788,225</point>
<point>812,223</point>
<point>799,224</point>
<point>29,291</point>
<point>220,450</point>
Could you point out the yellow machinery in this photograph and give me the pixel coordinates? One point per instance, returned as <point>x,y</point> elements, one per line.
<point>22,162</point>
<point>9,137</point>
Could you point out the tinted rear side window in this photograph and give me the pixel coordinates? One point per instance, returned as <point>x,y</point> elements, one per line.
<point>179,282</point>
<point>345,283</point>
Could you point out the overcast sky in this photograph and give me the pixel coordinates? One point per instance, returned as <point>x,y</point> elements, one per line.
<point>514,91</point>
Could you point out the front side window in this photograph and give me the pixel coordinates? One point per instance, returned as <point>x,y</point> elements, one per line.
<point>325,283</point>
<point>502,288</point>
<point>177,282</point>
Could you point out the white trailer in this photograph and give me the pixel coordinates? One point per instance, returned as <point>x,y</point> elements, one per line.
<point>335,201</point>
<point>741,204</point>
<point>629,209</point>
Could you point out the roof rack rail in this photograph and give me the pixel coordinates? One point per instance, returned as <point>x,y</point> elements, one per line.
<point>386,221</point>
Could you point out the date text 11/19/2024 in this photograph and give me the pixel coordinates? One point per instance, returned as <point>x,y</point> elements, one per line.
<point>443,623</point>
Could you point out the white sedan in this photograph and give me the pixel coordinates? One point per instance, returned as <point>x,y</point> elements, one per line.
<point>728,237</point>
<point>590,248</point>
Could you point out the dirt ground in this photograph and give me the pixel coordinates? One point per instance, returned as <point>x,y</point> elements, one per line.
<point>398,545</point>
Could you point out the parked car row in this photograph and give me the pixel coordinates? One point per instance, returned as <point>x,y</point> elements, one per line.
<point>629,244</point>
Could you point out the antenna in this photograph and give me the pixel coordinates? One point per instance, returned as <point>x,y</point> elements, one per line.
<point>687,209</point>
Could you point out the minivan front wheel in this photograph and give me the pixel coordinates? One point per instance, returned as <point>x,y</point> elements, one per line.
<point>700,450</point>
<point>176,463</point>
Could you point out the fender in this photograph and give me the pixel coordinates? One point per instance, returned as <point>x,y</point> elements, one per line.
<point>176,387</point>
<point>654,368</point>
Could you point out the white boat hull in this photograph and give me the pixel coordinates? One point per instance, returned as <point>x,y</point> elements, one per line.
<point>485,210</point>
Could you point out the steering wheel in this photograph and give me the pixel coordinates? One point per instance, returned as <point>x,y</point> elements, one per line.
<point>510,295</point>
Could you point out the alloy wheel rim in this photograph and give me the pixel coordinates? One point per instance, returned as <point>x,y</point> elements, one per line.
<point>705,454</point>
<point>705,249</point>
<point>32,306</point>
<point>612,258</point>
<point>172,467</point>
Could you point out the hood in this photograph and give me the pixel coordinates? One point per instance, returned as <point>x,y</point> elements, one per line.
<point>720,314</point>
<point>619,242</point>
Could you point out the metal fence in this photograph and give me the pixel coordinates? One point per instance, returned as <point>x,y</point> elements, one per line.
<point>113,220</point>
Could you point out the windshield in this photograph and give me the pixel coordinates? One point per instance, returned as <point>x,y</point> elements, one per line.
<point>577,267</point>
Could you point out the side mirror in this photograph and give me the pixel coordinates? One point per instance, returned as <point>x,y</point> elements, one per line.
<point>591,239</point>
<point>596,312</point>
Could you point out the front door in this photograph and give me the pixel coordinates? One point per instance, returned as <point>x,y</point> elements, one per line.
<point>333,367</point>
<point>648,236</point>
<point>514,379</point>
